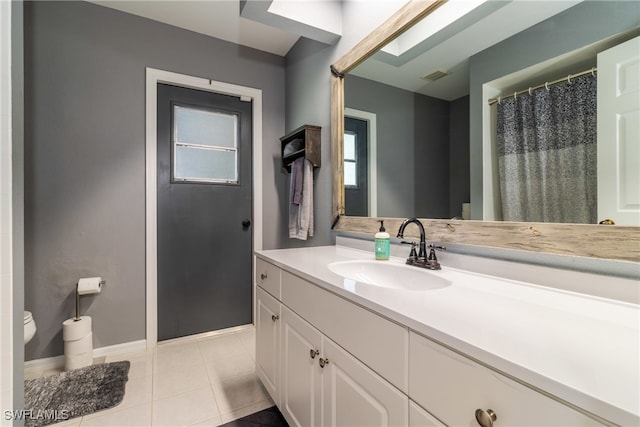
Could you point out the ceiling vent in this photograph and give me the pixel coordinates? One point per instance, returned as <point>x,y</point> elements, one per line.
<point>438,74</point>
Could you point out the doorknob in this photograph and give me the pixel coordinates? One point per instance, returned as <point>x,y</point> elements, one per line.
<point>246,223</point>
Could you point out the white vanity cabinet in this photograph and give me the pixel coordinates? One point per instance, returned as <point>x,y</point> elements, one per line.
<point>418,417</point>
<point>453,387</point>
<point>354,395</point>
<point>320,383</point>
<point>324,385</point>
<point>301,392</point>
<point>268,342</point>
<point>328,361</point>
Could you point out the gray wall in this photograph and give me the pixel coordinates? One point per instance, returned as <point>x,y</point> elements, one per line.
<point>308,99</point>
<point>307,102</point>
<point>431,157</point>
<point>422,143</point>
<point>458,155</point>
<point>579,26</point>
<point>395,121</point>
<point>85,156</point>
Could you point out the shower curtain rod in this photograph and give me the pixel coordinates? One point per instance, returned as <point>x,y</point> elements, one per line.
<point>545,85</point>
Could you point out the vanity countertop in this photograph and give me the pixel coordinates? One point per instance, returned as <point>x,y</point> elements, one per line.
<point>580,348</point>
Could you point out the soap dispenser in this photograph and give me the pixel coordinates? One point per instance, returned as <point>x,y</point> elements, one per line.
<point>383,243</point>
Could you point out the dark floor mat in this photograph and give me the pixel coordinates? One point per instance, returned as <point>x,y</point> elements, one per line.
<point>269,417</point>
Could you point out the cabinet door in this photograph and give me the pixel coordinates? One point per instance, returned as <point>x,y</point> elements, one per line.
<point>268,342</point>
<point>301,392</point>
<point>418,417</point>
<point>354,395</point>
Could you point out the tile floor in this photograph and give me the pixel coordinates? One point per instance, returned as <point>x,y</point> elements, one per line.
<point>189,382</point>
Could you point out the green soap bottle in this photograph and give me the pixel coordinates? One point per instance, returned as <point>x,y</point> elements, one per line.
<point>383,243</point>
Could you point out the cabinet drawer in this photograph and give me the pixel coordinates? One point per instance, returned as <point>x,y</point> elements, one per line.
<point>452,388</point>
<point>377,342</point>
<point>268,277</point>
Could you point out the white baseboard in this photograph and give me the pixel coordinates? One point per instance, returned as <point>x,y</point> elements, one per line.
<point>57,362</point>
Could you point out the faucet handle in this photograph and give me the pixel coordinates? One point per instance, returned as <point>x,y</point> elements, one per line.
<point>442,248</point>
<point>413,255</point>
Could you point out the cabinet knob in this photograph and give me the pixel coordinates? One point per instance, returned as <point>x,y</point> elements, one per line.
<point>323,362</point>
<point>485,418</point>
<point>313,353</point>
<point>274,317</point>
<point>263,276</point>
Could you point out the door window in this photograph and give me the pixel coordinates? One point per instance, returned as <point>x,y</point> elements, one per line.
<point>205,145</point>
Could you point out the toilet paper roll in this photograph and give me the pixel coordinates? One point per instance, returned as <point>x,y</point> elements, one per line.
<point>83,345</point>
<point>77,361</point>
<point>74,330</point>
<point>89,285</point>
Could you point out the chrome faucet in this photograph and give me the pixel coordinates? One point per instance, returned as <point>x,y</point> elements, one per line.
<point>421,259</point>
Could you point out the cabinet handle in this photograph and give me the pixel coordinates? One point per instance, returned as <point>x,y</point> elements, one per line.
<point>274,317</point>
<point>323,362</point>
<point>263,276</point>
<point>485,418</point>
<point>313,353</point>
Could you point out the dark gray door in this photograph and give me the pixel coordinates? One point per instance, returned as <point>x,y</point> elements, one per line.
<point>204,212</point>
<point>356,191</point>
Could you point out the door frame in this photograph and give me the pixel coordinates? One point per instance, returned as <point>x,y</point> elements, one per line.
<point>372,155</point>
<point>153,77</point>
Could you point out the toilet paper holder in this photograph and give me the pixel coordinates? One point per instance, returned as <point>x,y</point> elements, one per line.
<point>101,283</point>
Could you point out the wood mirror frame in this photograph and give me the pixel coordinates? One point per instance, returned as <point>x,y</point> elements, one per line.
<point>588,240</point>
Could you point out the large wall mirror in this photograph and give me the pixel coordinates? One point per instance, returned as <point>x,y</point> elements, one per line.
<point>420,125</point>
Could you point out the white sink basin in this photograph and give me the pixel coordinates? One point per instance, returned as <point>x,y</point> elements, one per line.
<point>389,275</point>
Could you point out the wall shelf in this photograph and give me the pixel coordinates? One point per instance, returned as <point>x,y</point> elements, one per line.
<point>308,138</point>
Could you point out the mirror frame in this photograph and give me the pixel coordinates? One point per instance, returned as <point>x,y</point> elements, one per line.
<point>620,243</point>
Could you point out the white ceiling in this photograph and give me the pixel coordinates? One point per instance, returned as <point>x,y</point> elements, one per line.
<point>450,48</point>
<point>222,19</point>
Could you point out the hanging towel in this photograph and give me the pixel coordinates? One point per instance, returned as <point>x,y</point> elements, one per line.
<point>301,215</point>
<point>295,188</point>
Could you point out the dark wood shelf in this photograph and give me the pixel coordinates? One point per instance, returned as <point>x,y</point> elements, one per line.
<point>310,137</point>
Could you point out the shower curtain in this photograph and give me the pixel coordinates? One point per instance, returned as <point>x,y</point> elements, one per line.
<point>547,153</point>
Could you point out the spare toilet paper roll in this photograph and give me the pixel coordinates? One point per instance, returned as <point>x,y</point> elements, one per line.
<point>83,345</point>
<point>77,361</point>
<point>73,329</point>
<point>89,285</point>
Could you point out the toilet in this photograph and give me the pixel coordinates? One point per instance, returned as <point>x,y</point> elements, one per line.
<point>29,327</point>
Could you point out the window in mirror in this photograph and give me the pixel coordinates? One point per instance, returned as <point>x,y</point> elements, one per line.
<point>350,161</point>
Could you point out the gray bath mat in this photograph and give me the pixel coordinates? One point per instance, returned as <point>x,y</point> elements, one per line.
<point>72,394</point>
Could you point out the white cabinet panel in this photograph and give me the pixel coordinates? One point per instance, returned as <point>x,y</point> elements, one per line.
<point>379,343</point>
<point>301,389</point>
<point>353,395</point>
<point>452,388</point>
<point>268,342</point>
<point>418,417</point>
<point>268,277</point>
